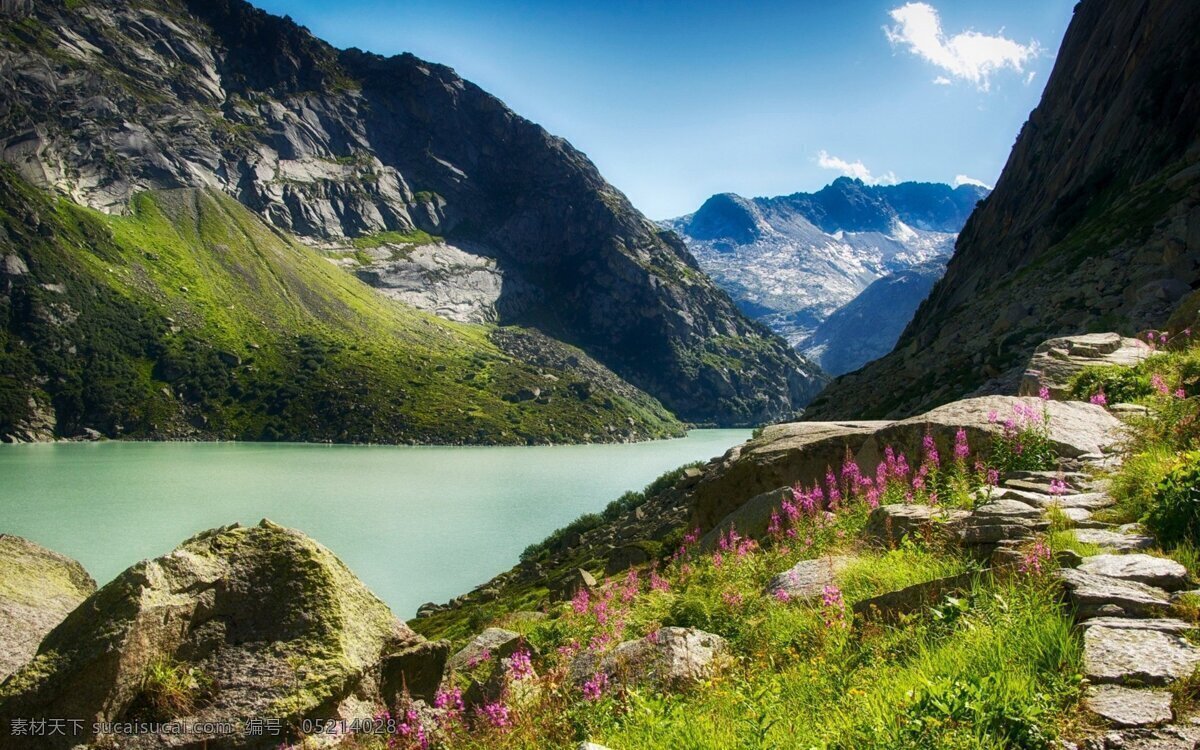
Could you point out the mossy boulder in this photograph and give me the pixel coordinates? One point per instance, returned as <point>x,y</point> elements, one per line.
<point>271,622</point>
<point>38,588</point>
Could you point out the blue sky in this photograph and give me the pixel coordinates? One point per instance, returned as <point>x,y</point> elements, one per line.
<point>676,101</point>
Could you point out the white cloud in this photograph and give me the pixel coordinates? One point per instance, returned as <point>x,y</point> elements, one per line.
<point>962,179</point>
<point>968,55</point>
<point>855,169</point>
<point>942,81</point>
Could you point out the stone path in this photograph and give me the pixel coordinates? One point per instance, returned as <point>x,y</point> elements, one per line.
<point>1121,599</point>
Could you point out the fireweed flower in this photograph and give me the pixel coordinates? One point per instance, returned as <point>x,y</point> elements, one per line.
<point>1179,393</point>
<point>732,599</point>
<point>495,714</point>
<point>1035,558</point>
<point>1098,398</point>
<point>1158,384</point>
<point>929,445</point>
<point>962,449</point>
<point>593,688</point>
<point>782,596</point>
<point>478,659</point>
<point>775,526</point>
<point>519,665</point>
<point>993,416</point>
<point>580,601</point>
<point>1058,487</point>
<point>993,477</point>
<point>449,701</point>
<point>1044,393</point>
<point>658,583</point>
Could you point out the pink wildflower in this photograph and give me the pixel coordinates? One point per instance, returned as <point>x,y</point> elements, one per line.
<point>732,599</point>
<point>1158,384</point>
<point>1058,487</point>
<point>1035,558</point>
<point>1179,393</point>
<point>931,452</point>
<point>962,449</point>
<point>658,583</point>
<point>519,665</point>
<point>495,714</point>
<point>1099,398</point>
<point>580,601</point>
<point>594,687</point>
<point>993,477</point>
<point>993,416</point>
<point>1044,393</point>
<point>783,596</point>
<point>775,526</point>
<point>449,701</point>
<point>477,659</point>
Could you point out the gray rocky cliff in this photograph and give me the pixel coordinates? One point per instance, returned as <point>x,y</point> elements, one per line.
<point>1094,224</point>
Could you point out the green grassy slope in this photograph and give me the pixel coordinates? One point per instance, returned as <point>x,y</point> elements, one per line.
<point>193,318</point>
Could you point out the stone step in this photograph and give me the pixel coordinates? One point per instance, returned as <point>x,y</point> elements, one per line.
<point>1126,707</point>
<point>1139,567</point>
<point>1165,624</point>
<point>1086,500</point>
<point>1125,656</point>
<point>1095,595</point>
<point>1114,540</point>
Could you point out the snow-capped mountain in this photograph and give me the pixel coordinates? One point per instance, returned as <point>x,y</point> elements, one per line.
<point>791,261</point>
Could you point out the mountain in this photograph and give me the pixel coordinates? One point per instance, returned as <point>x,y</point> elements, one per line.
<point>1094,224</point>
<point>396,169</point>
<point>791,261</point>
<point>867,326</point>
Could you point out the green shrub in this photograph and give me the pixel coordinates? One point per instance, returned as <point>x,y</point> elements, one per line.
<point>1174,514</point>
<point>1120,384</point>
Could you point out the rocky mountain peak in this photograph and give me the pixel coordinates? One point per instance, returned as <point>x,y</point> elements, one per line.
<point>104,100</point>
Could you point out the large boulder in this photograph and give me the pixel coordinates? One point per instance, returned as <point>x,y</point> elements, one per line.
<point>1057,361</point>
<point>272,619</point>
<point>802,452</point>
<point>669,657</point>
<point>889,524</point>
<point>38,588</point>
<point>808,578</point>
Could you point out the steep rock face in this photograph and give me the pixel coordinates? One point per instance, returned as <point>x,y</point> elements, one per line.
<point>108,98</point>
<point>1093,225</point>
<point>271,618</point>
<point>793,260</point>
<point>38,588</point>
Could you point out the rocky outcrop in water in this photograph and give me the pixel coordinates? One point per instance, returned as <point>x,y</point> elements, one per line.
<point>103,99</point>
<point>256,622</point>
<point>1094,224</point>
<point>38,588</point>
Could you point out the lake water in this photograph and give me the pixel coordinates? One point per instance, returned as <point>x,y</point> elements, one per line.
<point>416,524</point>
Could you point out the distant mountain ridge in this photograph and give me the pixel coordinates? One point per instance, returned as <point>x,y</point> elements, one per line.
<point>394,166</point>
<point>791,261</point>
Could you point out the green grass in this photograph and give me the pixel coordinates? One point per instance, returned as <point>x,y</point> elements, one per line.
<point>414,237</point>
<point>191,316</point>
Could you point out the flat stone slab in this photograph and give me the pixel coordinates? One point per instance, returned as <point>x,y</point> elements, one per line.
<point>1086,500</point>
<point>1113,540</point>
<point>990,531</point>
<point>1007,508</point>
<point>1142,568</point>
<point>1124,656</point>
<point>1165,624</point>
<point>1095,595</point>
<point>890,606</point>
<point>807,578</point>
<point>891,523</point>
<point>1130,707</point>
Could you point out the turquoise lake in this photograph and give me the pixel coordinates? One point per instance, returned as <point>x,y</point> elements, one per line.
<point>416,524</point>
